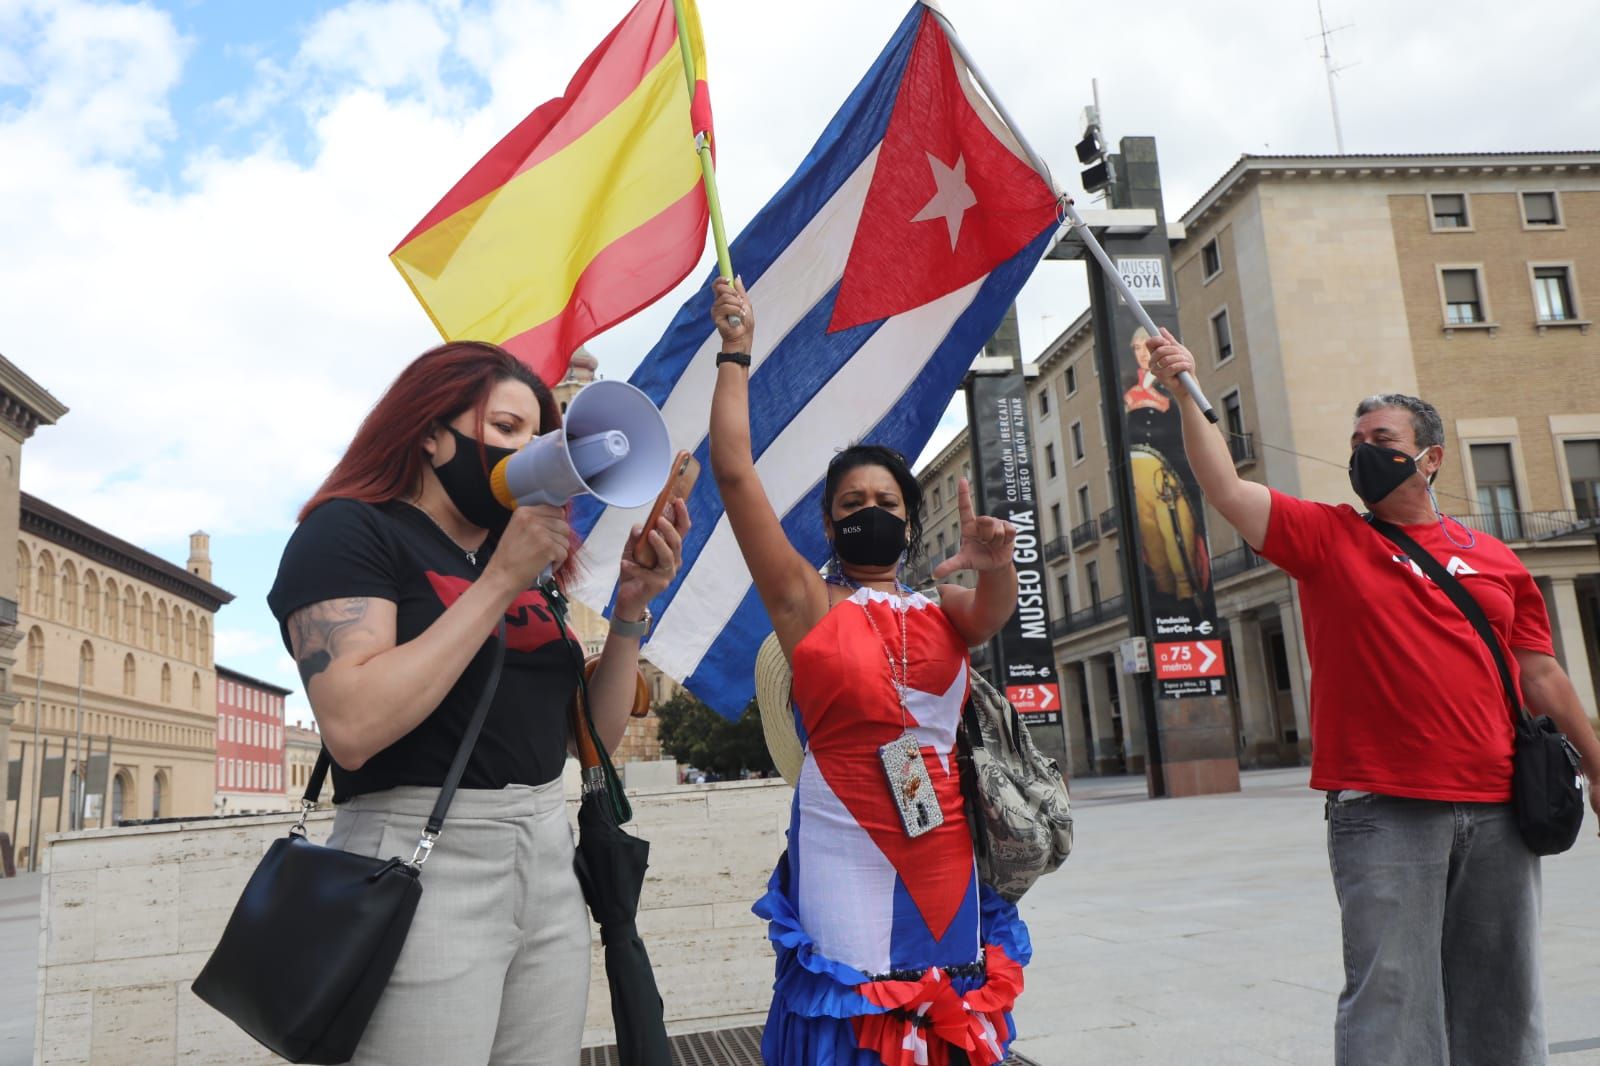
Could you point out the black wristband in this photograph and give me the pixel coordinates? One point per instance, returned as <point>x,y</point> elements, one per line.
<point>742,358</point>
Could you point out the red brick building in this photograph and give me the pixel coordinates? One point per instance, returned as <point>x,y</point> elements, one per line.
<point>250,743</point>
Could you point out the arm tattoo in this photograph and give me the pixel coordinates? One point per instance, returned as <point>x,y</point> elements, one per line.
<point>317,631</point>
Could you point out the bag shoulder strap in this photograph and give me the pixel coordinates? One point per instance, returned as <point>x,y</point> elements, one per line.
<point>1452,587</point>
<point>458,765</point>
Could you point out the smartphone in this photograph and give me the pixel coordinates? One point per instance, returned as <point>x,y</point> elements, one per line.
<point>685,468</point>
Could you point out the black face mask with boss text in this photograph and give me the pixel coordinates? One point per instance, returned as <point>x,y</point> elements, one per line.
<point>869,537</point>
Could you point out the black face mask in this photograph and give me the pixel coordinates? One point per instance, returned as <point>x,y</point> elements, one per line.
<point>467,483</point>
<point>1376,471</point>
<point>869,537</point>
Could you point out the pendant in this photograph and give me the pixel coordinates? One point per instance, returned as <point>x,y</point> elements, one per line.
<point>910,785</point>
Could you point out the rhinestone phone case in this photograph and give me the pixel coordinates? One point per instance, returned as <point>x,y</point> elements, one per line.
<point>910,785</point>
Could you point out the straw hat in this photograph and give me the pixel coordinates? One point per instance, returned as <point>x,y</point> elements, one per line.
<point>773,680</point>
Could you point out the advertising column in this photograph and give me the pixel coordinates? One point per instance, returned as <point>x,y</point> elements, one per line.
<point>1166,562</point>
<point>1003,486</point>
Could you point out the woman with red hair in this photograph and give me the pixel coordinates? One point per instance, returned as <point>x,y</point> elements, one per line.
<point>389,596</point>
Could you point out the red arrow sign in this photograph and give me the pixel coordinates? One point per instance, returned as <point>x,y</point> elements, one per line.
<point>1190,658</point>
<point>1029,699</point>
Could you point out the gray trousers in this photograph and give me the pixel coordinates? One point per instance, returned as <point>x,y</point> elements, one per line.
<point>496,967</point>
<point>1439,904</point>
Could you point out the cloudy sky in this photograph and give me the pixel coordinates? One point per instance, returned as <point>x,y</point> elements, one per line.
<point>197,197</point>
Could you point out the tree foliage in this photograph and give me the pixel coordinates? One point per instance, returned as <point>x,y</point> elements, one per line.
<point>697,736</point>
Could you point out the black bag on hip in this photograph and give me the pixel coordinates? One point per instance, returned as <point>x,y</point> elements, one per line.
<point>1546,788</point>
<point>313,939</point>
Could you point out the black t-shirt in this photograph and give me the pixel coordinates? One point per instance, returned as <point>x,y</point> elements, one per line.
<point>395,552</point>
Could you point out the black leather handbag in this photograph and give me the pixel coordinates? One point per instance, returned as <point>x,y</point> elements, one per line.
<point>314,938</point>
<point>1546,789</point>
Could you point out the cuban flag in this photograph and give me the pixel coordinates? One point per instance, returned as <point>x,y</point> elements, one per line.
<point>877,273</point>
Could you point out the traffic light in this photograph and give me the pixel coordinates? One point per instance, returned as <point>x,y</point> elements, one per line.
<point>1092,151</point>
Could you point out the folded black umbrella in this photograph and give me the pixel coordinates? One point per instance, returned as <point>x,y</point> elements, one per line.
<point>611,866</point>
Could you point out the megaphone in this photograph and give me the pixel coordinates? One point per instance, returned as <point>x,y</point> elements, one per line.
<point>613,445</point>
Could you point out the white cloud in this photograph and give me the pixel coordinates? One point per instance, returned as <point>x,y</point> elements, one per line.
<point>232,643</point>
<point>218,342</point>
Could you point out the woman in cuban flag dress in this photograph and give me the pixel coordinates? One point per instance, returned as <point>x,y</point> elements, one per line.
<point>889,949</point>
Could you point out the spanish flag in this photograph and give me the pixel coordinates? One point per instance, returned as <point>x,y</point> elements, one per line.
<point>589,210</point>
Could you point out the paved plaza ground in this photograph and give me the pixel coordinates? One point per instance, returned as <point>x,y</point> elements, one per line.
<point>1189,932</point>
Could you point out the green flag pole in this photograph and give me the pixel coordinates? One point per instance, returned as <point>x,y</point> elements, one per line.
<point>708,169</point>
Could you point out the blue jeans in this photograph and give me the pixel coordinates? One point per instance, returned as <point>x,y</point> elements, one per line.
<point>1439,904</point>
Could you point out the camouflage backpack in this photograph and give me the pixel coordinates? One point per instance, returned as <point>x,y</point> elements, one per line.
<point>1017,802</point>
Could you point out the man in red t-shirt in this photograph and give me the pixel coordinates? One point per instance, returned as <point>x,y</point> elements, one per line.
<point>1411,739</point>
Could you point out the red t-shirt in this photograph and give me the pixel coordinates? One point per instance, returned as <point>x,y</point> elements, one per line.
<point>1405,698</point>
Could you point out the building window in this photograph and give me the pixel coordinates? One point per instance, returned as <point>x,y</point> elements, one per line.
<point>938,498</point>
<point>1065,585</point>
<point>1055,519</point>
<point>157,793</point>
<point>1050,460</point>
<point>1210,260</point>
<point>1070,383</point>
<point>119,794</point>
<point>1044,402</point>
<point>86,664</point>
<point>35,651</point>
<point>1091,571</point>
<point>1540,209</point>
<point>194,692</point>
<point>1552,294</point>
<point>1233,414</point>
<point>166,683</point>
<point>1463,304</point>
<point>129,675</point>
<point>1449,210</point>
<point>1222,336</point>
<point>1084,511</point>
<point>1583,473</point>
<point>1075,431</point>
<point>1497,490</point>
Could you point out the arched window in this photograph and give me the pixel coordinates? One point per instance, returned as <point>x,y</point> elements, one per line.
<point>166,683</point>
<point>112,614</point>
<point>147,621</point>
<point>205,642</point>
<point>194,691</point>
<point>130,614</point>
<point>69,593</point>
<point>24,576</point>
<point>121,789</point>
<point>129,676</point>
<point>44,591</point>
<point>91,601</point>
<point>158,791</point>
<point>35,650</point>
<point>86,664</point>
<point>161,628</point>
<point>189,637</point>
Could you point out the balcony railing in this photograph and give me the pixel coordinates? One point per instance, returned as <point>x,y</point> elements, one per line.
<point>1108,521</point>
<point>1104,611</point>
<point>1085,533</point>
<point>1531,525</point>
<point>1242,446</point>
<point>1055,549</point>
<point>1235,562</point>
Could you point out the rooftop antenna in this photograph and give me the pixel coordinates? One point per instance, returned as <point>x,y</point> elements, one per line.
<point>1325,32</point>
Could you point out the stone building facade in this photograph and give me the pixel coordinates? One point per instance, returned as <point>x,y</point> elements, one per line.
<point>1305,284</point>
<point>24,407</point>
<point>137,632</point>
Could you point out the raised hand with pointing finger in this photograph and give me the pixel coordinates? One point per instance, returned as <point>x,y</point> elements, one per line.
<point>986,542</point>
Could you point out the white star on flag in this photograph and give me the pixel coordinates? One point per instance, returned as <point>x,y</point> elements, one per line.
<point>951,198</point>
